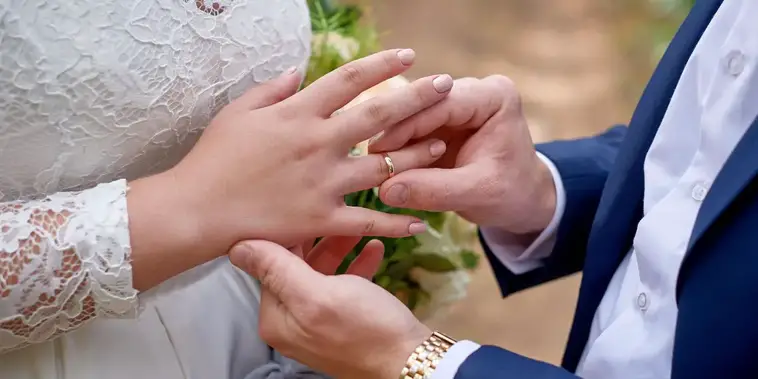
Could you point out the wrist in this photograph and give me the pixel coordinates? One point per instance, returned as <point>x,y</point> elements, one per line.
<point>426,357</point>
<point>166,231</point>
<point>543,199</point>
<point>397,356</point>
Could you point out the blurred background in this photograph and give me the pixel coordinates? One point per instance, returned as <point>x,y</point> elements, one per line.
<point>580,66</point>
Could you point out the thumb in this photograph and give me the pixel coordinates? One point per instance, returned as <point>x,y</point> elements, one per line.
<point>429,189</point>
<point>282,273</point>
<point>272,91</point>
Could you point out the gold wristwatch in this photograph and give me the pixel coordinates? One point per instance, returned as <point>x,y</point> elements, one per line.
<point>424,360</point>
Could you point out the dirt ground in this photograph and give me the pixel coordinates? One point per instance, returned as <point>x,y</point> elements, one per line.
<point>566,60</point>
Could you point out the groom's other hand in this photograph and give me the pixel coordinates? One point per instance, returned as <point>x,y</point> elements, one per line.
<point>490,173</point>
<point>344,326</point>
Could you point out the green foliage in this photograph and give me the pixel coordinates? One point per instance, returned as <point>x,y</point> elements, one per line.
<point>333,20</point>
<point>667,16</point>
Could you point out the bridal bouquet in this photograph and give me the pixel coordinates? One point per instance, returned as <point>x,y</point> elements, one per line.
<point>429,271</point>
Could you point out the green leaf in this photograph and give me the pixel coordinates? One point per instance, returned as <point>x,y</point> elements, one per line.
<point>406,245</point>
<point>413,298</point>
<point>400,269</point>
<point>470,259</point>
<point>435,219</point>
<point>434,263</point>
<point>383,281</point>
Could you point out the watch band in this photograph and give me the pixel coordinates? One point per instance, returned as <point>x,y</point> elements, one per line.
<point>424,360</point>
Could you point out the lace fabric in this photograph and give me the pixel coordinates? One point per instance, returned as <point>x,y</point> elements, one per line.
<point>92,91</point>
<point>64,260</point>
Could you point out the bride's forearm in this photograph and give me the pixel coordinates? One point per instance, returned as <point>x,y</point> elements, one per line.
<point>166,231</point>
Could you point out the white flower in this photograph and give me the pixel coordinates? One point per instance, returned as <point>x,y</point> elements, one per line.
<point>435,242</point>
<point>454,237</point>
<point>346,47</point>
<point>444,289</point>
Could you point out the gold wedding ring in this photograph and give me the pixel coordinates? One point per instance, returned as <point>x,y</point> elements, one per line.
<point>390,165</point>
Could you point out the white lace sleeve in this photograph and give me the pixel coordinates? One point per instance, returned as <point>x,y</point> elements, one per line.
<point>64,261</point>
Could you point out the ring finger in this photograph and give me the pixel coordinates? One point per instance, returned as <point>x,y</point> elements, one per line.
<point>372,170</point>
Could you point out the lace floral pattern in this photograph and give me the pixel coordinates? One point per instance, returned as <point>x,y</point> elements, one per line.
<point>93,91</point>
<point>110,89</point>
<point>64,260</point>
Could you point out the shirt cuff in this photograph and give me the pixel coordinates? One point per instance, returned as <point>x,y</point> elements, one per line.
<point>454,358</point>
<point>521,256</point>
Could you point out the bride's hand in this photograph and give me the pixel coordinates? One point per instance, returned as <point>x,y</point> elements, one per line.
<point>274,164</point>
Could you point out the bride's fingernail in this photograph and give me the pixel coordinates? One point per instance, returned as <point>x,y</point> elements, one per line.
<point>442,83</point>
<point>437,149</point>
<point>406,56</point>
<point>417,228</point>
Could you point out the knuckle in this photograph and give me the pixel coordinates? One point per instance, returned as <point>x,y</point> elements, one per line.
<point>369,226</point>
<point>319,213</point>
<point>420,96</point>
<point>351,73</point>
<point>381,171</point>
<point>317,311</point>
<point>505,85</point>
<point>305,150</point>
<point>389,60</point>
<point>430,200</point>
<point>501,81</point>
<point>378,113</point>
<point>285,112</point>
<point>271,280</point>
<point>311,145</point>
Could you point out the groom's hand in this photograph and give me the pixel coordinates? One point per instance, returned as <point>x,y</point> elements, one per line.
<point>490,173</point>
<point>344,326</point>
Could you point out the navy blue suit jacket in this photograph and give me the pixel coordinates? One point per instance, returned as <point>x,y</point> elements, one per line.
<point>717,288</point>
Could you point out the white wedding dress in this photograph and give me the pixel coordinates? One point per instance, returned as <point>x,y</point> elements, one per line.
<point>97,92</point>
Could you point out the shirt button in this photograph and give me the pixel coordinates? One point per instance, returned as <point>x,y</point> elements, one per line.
<point>734,63</point>
<point>642,301</point>
<point>699,191</point>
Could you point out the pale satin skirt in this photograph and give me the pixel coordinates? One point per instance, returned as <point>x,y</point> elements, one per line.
<point>200,325</point>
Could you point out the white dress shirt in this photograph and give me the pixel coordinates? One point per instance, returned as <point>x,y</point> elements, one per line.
<point>715,102</point>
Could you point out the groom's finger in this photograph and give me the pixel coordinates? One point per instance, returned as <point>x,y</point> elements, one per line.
<point>370,171</point>
<point>287,276</point>
<point>470,103</point>
<point>368,261</point>
<point>330,252</point>
<point>432,189</point>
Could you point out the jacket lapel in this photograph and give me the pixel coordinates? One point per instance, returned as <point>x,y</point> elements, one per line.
<point>738,171</point>
<point>621,204</point>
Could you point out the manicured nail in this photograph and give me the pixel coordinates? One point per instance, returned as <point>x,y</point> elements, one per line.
<point>443,83</point>
<point>292,70</point>
<point>406,56</point>
<point>417,228</point>
<point>397,194</point>
<point>437,149</point>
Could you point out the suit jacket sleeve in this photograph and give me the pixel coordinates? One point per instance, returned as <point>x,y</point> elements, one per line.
<point>494,362</point>
<point>583,165</point>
